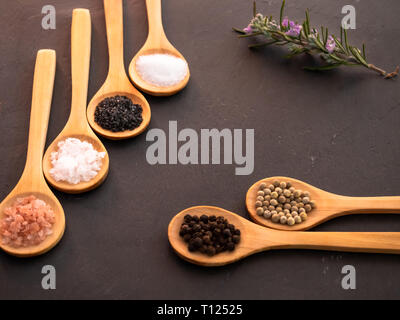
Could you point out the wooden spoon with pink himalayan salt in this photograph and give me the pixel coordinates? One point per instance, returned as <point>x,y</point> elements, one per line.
<point>32,181</point>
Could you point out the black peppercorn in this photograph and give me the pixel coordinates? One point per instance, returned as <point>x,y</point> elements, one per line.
<point>118,114</point>
<point>209,234</point>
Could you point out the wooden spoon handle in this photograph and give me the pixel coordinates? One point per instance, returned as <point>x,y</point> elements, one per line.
<point>43,82</point>
<point>154,17</point>
<point>115,36</point>
<point>379,242</point>
<point>370,204</point>
<point>80,63</point>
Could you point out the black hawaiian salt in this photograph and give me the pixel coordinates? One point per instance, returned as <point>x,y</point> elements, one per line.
<point>209,234</point>
<point>118,113</point>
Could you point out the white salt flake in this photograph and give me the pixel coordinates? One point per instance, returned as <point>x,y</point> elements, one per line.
<point>75,161</point>
<point>162,70</point>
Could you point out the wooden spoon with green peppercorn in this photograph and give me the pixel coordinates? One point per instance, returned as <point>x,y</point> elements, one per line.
<point>117,82</point>
<point>255,238</point>
<point>312,206</point>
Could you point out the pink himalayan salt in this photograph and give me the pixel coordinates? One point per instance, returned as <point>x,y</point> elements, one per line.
<point>27,222</point>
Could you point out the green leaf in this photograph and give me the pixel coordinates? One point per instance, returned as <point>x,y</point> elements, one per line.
<point>254,9</point>
<point>339,44</point>
<point>357,55</point>
<point>238,30</point>
<point>247,35</point>
<point>363,52</point>
<point>345,41</point>
<point>281,13</point>
<point>323,68</point>
<point>308,21</point>
<point>257,45</point>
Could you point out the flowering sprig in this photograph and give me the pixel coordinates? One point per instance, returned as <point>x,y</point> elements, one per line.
<point>301,38</point>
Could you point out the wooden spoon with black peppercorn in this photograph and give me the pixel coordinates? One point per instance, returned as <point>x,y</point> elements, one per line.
<point>117,82</point>
<point>77,125</point>
<point>255,238</point>
<point>327,205</point>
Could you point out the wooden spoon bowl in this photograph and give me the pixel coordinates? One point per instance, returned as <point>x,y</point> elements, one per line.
<point>328,205</point>
<point>117,82</point>
<point>156,43</point>
<point>82,186</point>
<point>255,238</point>
<point>32,181</point>
<point>77,125</point>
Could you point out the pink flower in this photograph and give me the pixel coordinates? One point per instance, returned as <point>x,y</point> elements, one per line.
<point>294,30</point>
<point>248,29</point>
<point>285,22</point>
<point>330,44</point>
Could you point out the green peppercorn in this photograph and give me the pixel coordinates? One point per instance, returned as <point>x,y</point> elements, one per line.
<point>288,185</point>
<point>287,206</point>
<point>303,216</point>
<point>276,183</point>
<point>281,214</point>
<point>297,193</point>
<point>282,199</point>
<point>267,191</point>
<point>267,214</point>
<point>282,185</point>
<point>307,207</point>
<point>300,205</point>
<point>287,193</point>
<point>259,211</point>
<point>278,190</point>
<point>313,204</point>
<point>275,217</point>
<point>258,204</point>
<point>283,220</point>
<point>286,211</point>
<point>260,198</point>
<point>292,189</point>
<point>293,203</point>
<point>267,197</point>
<point>294,208</point>
<point>302,210</point>
<point>266,203</point>
<point>270,208</point>
<point>306,194</point>
<point>294,213</point>
<point>273,202</point>
<point>274,195</point>
<point>290,221</point>
<point>297,219</point>
<point>271,187</point>
<point>306,200</point>
<point>263,185</point>
<point>288,215</point>
<point>260,193</point>
<point>278,209</point>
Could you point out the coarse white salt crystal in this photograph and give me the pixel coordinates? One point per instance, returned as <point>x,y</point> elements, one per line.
<point>162,70</point>
<point>75,161</point>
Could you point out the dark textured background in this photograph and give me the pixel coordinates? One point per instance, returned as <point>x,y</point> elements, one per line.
<point>337,130</point>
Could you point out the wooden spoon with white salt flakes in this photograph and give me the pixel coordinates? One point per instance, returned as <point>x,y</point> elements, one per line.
<point>77,125</point>
<point>32,181</point>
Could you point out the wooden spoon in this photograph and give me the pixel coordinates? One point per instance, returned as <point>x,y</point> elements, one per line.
<point>156,42</point>
<point>255,238</point>
<point>32,181</point>
<point>328,205</point>
<point>77,125</point>
<point>117,82</point>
